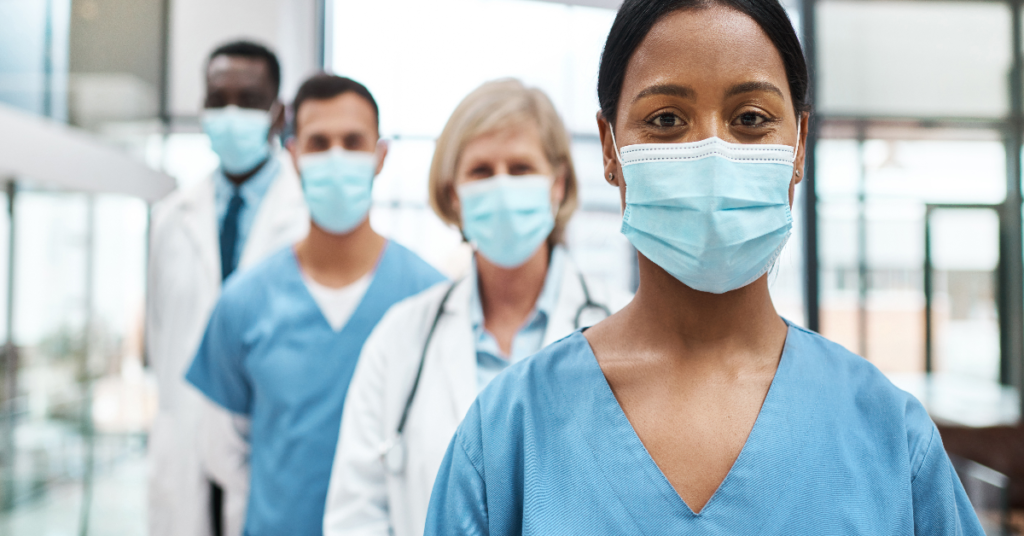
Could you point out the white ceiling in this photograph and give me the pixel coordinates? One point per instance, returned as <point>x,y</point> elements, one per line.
<point>609,4</point>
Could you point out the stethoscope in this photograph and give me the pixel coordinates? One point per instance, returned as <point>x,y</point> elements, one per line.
<point>393,452</point>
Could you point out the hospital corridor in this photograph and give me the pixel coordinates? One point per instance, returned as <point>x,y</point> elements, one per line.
<point>502,267</point>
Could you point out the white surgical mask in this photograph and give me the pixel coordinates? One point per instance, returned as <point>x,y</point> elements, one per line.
<point>337,185</point>
<point>239,136</point>
<point>713,214</point>
<point>507,218</point>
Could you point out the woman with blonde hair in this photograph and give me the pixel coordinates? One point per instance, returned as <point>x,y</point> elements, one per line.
<point>503,174</point>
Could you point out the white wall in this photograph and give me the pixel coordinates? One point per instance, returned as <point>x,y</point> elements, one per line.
<point>290,27</point>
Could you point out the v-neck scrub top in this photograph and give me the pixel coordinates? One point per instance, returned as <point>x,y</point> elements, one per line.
<point>836,450</point>
<point>269,353</point>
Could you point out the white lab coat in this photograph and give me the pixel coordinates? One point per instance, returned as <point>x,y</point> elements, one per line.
<point>364,497</point>
<point>184,284</point>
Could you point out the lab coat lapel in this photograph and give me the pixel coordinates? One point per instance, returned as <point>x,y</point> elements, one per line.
<point>281,210</point>
<point>454,349</point>
<point>200,223</point>
<point>570,297</point>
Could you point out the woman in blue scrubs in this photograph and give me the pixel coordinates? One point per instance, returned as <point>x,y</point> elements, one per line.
<point>697,409</point>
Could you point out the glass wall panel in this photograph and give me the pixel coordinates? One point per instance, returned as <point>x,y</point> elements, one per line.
<point>873,197</point>
<point>439,51</point>
<point>965,257</point>
<point>914,59</point>
<point>82,402</point>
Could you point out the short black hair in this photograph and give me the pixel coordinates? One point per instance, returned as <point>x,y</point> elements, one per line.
<point>636,18</point>
<point>324,86</point>
<point>256,51</point>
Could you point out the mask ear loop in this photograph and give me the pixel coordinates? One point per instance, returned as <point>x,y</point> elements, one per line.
<point>611,130</point>
<point>796,146</point>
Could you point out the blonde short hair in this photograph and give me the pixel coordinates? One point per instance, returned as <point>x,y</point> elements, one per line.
<point>492,106</point>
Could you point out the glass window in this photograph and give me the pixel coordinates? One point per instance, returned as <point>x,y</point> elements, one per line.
<point>873,199</point>
<point>965,257</point>
<point>914,59</point>
<point>420,65</point>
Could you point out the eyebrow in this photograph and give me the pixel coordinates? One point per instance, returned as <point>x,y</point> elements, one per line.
<point>751,87</point>
<point>671,90</point>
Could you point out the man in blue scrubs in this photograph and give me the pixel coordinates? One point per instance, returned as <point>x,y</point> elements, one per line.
<point>284,338</point>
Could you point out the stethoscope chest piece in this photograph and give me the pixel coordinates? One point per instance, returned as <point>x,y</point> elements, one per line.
<point>393,455</point>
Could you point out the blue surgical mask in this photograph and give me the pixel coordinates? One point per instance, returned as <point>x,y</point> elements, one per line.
<point>337,186</point>
<point>713,214</point>
<point>507,218</point>
<point>239,136</point>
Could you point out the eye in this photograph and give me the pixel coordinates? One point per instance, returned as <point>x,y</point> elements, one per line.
<point>667,120</point>
<point>319,143</point>
<point>481,171</point>
<point>353,142</point>
<point>751,119</point>
<point>520,169</point>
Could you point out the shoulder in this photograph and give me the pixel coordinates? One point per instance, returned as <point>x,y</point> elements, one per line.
<point>538,396</point>
<point>833,364</point>
<point>415,270</point>
<point>247,289</point>
<point>541,380</point>
<point>856,388</point>
<point>413,314</point>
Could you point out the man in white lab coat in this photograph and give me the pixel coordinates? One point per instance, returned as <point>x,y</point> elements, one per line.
<point>251,206</point>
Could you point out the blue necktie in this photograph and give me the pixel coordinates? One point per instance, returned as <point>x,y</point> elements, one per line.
<point>229,235</point>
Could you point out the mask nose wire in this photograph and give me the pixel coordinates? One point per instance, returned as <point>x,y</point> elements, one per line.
<point>796,146</point>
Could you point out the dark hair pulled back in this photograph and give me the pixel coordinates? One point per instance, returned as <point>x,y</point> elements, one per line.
<point>636,18</point>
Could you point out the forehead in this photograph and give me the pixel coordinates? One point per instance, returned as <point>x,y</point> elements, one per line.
<point>704,48</point>
<point>516,139</point>
<point>347,111</point>
<point>225,69</point>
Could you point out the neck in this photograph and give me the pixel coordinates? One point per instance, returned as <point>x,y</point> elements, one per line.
<point>337,260</point>
<point>509,294</point>
<point>239,180</point>
<point>679,316</point>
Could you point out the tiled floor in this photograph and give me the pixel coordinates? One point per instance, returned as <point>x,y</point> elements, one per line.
<point>118,506</point>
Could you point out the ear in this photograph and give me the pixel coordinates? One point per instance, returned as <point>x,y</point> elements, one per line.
<point>453,195</point>
<point>612,168</point>
<point>801,156</point>
<point>801,149</point>
<point>558,189</point>
<point>381,153</point>
<point>276,118</point>
<point>294,151</point>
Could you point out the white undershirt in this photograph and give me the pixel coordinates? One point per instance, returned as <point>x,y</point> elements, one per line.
<point>338,304</point>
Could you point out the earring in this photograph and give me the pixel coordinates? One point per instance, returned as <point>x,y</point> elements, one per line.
<point>798,173</point>
<point>611,177</point>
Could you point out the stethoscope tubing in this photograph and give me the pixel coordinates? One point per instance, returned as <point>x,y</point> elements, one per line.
<point>588,303</point>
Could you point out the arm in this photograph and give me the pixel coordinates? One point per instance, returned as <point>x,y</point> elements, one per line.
<point>940,502</point>
<point>357,500</point>
<point>458,504</point>
<point>224,450</point>
<point>218,369</point>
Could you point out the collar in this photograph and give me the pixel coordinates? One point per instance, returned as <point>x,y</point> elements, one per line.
<point>546,301</point>
<point>252,190</point>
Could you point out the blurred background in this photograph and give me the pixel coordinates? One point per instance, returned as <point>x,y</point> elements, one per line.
<point>909,247</point>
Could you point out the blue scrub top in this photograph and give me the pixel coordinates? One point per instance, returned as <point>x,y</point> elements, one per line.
<point>270,354</point>
<point>836,449</point>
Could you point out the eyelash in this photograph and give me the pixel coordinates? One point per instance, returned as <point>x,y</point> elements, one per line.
<point>766,119</point>
<point>652,121</point>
